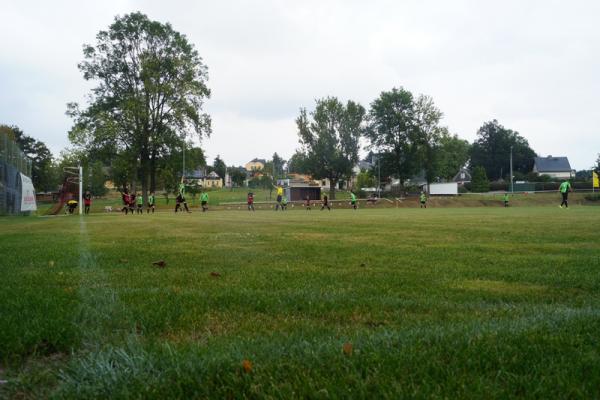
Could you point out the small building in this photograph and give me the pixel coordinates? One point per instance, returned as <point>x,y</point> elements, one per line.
<point>298,190</point>
<point>463,176</point>
<point>202,180</point>
<point>212,181</point>
<point>256,164</point>
<point>554,167</point>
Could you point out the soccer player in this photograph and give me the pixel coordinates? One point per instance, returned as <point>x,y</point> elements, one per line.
<point>179,201</point>
<point>283,203</point>
<point>72,205</point>
<point>307,203</point>
<point>140,203</point>
<point>251,201</point>
<point>564,189</point>
<point>87,201</point>
<point>204,201</point>
<point>506,199</point>
<point>126,198</point>
<point>353,200</point>
<point>279,197</point>
<point>132,197</point>
<point>151,203</point>
<point>325,203</point>
<point>423,199</point>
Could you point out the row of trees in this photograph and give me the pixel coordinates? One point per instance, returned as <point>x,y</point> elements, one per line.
<point>406,134</point>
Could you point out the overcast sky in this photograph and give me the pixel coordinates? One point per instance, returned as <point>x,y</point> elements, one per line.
<point>532,65</point>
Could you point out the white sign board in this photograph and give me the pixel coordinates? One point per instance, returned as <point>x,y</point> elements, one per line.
<point>27,195</point>
<point>443,188</point>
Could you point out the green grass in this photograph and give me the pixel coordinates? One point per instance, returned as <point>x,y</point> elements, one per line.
<point>443,303</point>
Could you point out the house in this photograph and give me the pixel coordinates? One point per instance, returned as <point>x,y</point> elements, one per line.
<point>202,180</point>
<point>256,164</point>
<point>212,181</point>
<point>463,176</point>
<point>554,167</point>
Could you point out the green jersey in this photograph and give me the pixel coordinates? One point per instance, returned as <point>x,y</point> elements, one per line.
<point>140,200</point>
<point>565,186</point>
<point>423,198</point>
<point>353,197</point>
<point>204,197</point>
<point>182,189</point>
<point>284,200</point>
<point>151,200</point>
<point>506,197</point>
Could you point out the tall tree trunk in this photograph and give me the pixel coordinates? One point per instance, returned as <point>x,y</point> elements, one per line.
<point>153,171</point>
<point>332,184</point>
<point>144,167</point>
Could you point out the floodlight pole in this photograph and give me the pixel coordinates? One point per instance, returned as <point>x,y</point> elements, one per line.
<point>512,188</point>
<point>80,189</point>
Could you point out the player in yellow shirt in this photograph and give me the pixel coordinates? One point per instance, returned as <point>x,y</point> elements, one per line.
<point>279,197</point>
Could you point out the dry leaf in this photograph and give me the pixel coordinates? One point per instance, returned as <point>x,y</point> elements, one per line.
<point>215,274</point>
<point>247,366</point>
<point>51,263</point>
<point>347,348</point>
<point>160,263</point>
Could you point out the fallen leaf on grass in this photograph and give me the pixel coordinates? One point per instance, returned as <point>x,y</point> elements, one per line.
<point>247,366</point>
<point>215,274</point>
<point>160,263</point>
<point>347,348</point>
<point>51,263</point>
<point>123,260</point>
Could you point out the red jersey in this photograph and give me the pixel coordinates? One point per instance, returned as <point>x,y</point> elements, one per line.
<point>250,199</point>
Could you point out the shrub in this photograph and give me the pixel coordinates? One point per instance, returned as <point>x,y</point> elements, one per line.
<point>480,182</point>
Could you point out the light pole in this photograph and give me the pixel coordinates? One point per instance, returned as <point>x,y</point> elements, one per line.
<point>512,189</point>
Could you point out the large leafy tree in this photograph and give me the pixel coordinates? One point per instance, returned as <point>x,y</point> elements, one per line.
<point>298,163</point>
<point>491,150</point>
<point>453,154</point>
<point>330,139</point>
<point>277,164</point>
<point>237,175</point>
<point>405,131</point>
<point>150,90</point>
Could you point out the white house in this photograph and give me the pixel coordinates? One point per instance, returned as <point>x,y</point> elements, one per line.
<point>555,167</point>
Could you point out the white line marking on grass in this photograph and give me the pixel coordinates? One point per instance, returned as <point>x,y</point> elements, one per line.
<point>99,303</point>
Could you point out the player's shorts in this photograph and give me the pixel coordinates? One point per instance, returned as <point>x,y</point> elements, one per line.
<point>150,204</point>
<point>203,203</point>
<point>279,199</point>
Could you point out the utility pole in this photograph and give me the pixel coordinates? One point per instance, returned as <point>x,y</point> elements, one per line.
<point>511,170</point>
<point>378,176</point>
<point>80,189</point>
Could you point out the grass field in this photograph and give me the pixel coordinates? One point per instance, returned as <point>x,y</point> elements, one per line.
<point>395,303</point>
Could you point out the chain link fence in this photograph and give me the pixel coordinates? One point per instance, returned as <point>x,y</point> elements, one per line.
<point>12,162</point>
